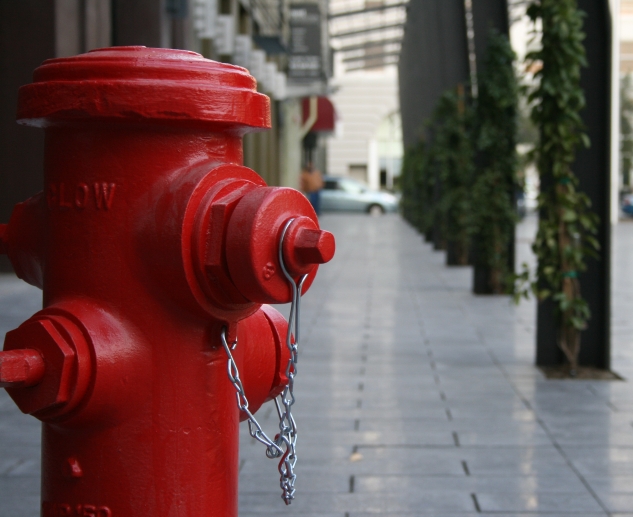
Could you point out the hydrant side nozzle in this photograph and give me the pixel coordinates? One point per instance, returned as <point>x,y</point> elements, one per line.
<point>279,328</point>
<point>21,368</point>
<point>253,237</point>
<point>59,352</point>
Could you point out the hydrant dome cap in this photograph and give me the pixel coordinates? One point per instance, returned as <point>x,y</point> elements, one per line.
<point>140,83</point>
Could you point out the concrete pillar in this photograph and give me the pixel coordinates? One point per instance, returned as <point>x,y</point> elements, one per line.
<point>139,22</point>
<point>373,164</point>
<point>97,24</point>
<point>290,154</point>
<point>488,14</point>
<point>434,58</point>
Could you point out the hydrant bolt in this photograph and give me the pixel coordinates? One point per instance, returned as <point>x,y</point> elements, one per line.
<point>21,368</point>
<point>314,246</point>
<point>54,386</point>
<point>306,245</point>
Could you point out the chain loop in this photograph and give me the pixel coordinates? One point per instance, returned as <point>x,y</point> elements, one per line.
<point>284,444</point>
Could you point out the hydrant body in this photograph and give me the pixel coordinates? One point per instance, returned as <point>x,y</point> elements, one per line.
<point>149,238</point>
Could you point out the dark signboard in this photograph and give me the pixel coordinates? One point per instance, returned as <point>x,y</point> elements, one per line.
<point>305,42</point>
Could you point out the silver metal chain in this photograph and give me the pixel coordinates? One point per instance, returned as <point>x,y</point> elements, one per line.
<point>284,444</point>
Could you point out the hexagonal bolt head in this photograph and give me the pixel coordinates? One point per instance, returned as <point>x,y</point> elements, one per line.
<point>56,382</point>
<point>314,246</point>
<point>21,368</point>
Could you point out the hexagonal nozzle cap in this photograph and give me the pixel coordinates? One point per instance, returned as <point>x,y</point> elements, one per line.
<point>306,245</point>
<point>314,246</point>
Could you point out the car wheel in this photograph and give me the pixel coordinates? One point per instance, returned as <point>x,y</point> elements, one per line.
<point>375,210</point>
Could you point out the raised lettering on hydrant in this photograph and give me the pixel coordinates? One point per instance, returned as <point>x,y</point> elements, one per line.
<point>149,240</point>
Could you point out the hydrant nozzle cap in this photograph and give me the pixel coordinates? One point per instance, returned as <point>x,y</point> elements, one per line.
<point>306,245</point>
<point>313,246</point>
<point>139,83</point>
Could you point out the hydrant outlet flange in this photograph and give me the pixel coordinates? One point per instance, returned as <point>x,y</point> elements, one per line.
<point>253,236</point>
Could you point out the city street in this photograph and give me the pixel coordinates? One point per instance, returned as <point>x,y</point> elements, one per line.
<point>414,397</point>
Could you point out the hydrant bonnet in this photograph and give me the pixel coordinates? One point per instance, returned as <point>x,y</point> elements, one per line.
<point>175,85</point>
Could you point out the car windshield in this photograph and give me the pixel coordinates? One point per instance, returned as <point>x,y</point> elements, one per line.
<point>351,186</point>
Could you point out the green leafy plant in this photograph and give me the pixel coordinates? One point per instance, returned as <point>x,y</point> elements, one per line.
<point>452,155</point>
<point>493,192</point>
<point>566,230</point>
<point>417,187</point>
<point>626,131</point>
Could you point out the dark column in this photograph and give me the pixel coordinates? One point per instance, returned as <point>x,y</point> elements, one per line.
<point>488,14</point>
<point>592,166</point>
<point>27,37</point>
<point>137,22</point>
<point>434,58</point>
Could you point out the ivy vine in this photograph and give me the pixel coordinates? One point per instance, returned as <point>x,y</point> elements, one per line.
<point>626,131</point>
<point>493,193</point>
<point>453,156</point>
<point>417,187</point>
<point>565,237</point>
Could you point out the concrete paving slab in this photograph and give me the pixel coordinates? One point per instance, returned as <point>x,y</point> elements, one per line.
<point>414,397</point>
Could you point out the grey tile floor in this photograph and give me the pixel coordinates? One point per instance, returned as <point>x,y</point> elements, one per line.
<point>414,397</point>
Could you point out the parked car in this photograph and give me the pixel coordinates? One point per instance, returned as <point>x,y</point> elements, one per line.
<point>346,194</point>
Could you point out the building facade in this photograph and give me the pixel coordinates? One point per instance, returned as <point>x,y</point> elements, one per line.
<point>263,36</point>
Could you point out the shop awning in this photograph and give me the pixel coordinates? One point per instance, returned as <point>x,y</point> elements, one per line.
<point>326,114</point>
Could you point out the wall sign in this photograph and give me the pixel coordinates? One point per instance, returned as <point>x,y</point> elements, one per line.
<point>305,42</point>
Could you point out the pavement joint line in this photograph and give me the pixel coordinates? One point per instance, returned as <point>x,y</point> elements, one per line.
<point>500,425</point>
<point>547,431</point>
<point>475,502</point>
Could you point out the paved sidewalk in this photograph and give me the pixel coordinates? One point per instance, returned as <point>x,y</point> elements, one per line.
<point>414,397</point>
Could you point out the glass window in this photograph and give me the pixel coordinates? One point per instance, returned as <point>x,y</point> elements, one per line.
<point>351,186</point>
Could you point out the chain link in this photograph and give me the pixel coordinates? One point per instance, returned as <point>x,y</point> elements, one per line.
<point>284,444</point>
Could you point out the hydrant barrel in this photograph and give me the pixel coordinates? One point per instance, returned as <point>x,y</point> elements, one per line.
<point>145,205</point>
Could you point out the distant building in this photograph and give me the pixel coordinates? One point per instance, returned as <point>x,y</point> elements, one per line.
<point>367,145</point>
<point>284,44</point>
<point>626,36</point>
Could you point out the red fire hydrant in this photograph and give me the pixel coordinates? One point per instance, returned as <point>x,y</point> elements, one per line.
<point>149,241</point>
